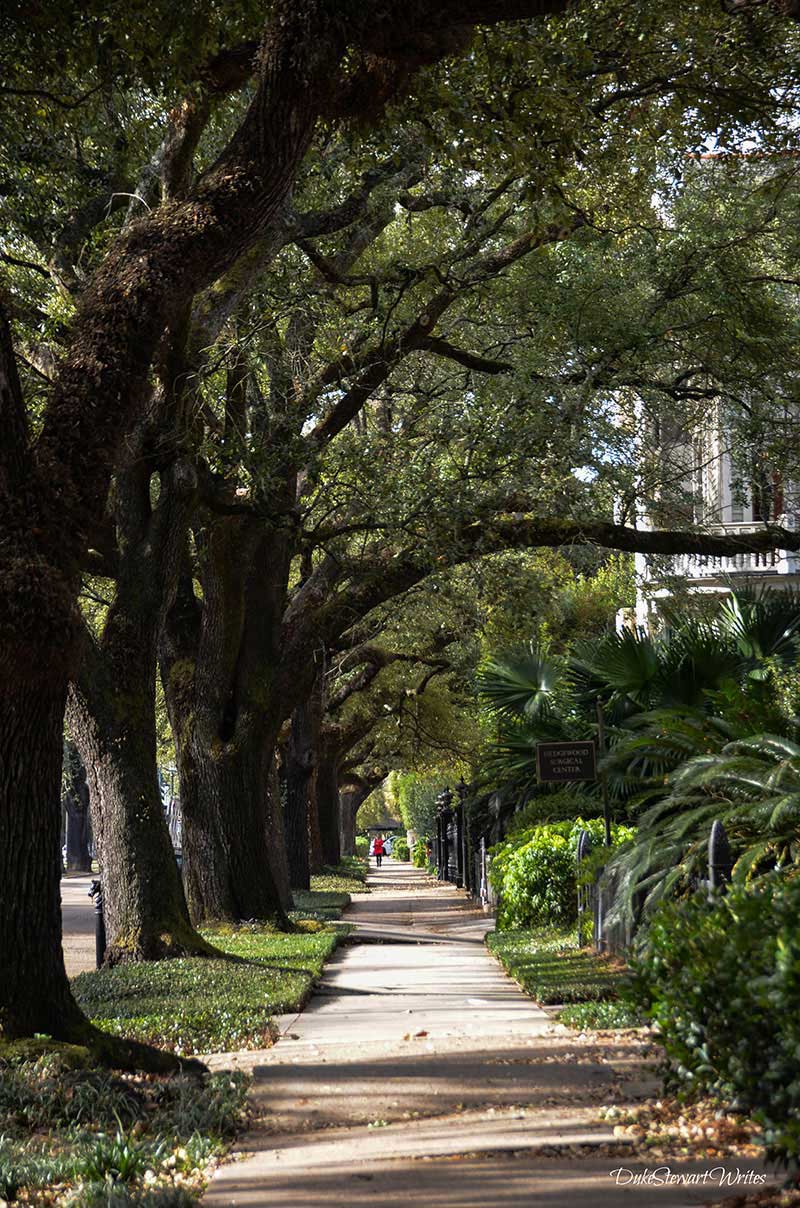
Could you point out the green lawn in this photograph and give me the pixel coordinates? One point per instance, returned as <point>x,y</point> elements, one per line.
<point>349,877</point>
<point>201,1005</point>
<point>548,966</point>
<point>213,1005</point>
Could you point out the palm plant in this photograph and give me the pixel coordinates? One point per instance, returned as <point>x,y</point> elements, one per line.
<point>765,625</point>
<point>752,785</point>
<point>668,699</point>
<point>521,685</point>
<point>525,693</point>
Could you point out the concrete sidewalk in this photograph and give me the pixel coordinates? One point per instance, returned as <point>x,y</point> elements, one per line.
<point>421,1073</point>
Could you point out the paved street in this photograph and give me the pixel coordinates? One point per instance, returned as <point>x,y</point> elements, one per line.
<point>77,913</point>
<point>421,1073</point>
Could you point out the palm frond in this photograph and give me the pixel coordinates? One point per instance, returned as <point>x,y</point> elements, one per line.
<point>521,683</point>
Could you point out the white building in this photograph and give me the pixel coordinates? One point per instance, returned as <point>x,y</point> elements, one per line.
<point>720,504</point>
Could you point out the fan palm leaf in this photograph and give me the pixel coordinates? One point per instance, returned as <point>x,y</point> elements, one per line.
<point>521,683</point>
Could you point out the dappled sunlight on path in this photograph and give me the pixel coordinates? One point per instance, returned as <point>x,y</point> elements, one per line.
<point>420,1072</point>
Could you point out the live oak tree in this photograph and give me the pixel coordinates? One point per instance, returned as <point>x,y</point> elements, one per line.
<point>314,60</point>
<point>54,481</point>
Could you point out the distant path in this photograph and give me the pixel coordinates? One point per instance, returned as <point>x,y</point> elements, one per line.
<point>77,915</point>
<point>421,1074</point>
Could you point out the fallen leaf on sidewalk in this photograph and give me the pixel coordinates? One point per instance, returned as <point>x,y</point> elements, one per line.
<point>422,1033</point>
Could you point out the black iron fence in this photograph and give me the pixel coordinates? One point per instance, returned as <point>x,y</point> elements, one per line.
<point>601,921</point>
<point>459,856</point>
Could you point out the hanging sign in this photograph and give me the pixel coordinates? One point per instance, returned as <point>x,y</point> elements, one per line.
<point>566,761</point>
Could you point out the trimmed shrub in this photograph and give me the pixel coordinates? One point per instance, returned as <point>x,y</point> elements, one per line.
<point>721,981</point>
<point>400,849</point>
<point>419,855</point>
<point>534,871</point>
<point>362,845</point>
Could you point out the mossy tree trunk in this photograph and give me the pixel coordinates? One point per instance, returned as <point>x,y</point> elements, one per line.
<point>216,655</point>
<point>111,717</point>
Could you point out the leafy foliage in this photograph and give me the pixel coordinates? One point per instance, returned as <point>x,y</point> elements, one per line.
<point>720,979</point>
<point>534,871</point>
<point>416,795</point>
<point>751,785</point>
<point>400,849</point>
<point>419,855</point>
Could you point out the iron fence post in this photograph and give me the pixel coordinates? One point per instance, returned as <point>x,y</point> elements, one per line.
<point>96,894</point>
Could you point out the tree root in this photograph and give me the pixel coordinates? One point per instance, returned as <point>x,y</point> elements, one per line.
<point>166,945</point>
<point>83,1046</point>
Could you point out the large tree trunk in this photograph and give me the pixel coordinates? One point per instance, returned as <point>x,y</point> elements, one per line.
<point>326,779</point>
<point>34,991</point>
<point>111,717</point>
<point>229,831</point>
<point>76,806</point>
<point>352,795</point>
<point>113,725</point>
<point>298,768</point>
<point>213,659</point>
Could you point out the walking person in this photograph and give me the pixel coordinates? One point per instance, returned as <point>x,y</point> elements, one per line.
<point>378,849</point>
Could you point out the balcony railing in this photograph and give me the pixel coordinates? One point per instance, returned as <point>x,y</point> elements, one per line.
<point>765,562</point>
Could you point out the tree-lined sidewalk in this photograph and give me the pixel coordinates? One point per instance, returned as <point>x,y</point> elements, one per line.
<point>420,1070</point>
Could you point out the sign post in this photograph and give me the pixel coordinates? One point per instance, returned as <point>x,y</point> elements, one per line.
<point>601,746</point>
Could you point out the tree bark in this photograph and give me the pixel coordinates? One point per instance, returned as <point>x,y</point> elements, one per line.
<point>215,655</point>
<point>229,831</point>
<point>111,717</point>
<point>114,727</point>
<point>326,780</point>
<point>276,830</point>
<point>34,991</point>
<point>298,764</point>
<point>315,861</point>
<point>352,796</point>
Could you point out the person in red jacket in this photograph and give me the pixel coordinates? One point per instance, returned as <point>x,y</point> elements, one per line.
<point>377,849</point>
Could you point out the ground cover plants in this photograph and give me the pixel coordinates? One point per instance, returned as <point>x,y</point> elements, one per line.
<point>72,1135</point>
<point>218,1004</point>
<point>203,1005</point>
<point>549,967</point>
<point>350,876</point>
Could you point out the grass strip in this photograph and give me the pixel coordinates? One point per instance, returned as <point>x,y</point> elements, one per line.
<point>350,876</point>
<point>548,966</point>
<point>202,1005</point>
